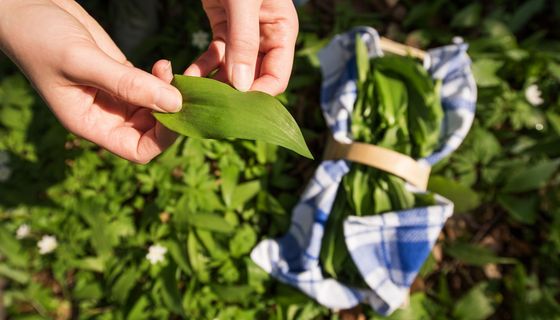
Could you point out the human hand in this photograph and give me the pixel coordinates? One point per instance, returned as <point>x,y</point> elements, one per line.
<point>253,44</point>
<point>86,80</point>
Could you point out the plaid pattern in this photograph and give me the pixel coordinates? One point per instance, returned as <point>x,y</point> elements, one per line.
<point>388,249</point>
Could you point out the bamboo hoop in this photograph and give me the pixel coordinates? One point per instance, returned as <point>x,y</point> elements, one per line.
<point>394,47</point>
<point>400,165</point>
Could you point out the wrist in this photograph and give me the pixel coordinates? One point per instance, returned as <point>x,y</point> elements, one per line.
<point>10,13</point>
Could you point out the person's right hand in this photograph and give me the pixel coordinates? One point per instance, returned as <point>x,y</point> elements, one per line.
<point>253,44</point>
<point>86,80</point>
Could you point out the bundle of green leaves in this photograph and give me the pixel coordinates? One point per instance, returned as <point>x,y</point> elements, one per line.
<point>398,108</point>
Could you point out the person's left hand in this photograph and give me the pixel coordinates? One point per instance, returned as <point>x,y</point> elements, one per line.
<point>86,80</point>
<point>253,44</point>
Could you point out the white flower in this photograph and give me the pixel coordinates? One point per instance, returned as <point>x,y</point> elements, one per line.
<point>23,231</point>
<point>533,95</point>
<point>47,244</point>
<point>200,39</point>
<point>539,126</point>
<point>5,173</point>
<point>156,253</point>
<point>4,157</point>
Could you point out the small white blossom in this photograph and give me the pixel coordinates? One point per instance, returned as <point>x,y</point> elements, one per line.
<point>23,231</point>
<point>539,126</point>
<point>4,157</point>
<point>47,244</point>
<point>200,39</point>
<point>533,95</point>
<point>5,173</point>
<point>156,253</point>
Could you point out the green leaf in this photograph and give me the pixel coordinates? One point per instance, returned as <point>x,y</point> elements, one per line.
<point>243,241</point>
<point>230,175</point>
<point>170,292</point>
<point>467,17</point>
<point>88,291</point>
<point>484,71</point>
<point>215,110</point>
<point>14,274</point>
<point>96,264</point>
<point>11,249</point>
<point>524,14</point>
<point>138,311</point>
<point>554,69</point>
<point>209,221</point>
<point>124,284</point>
<point>554,119</point>
<point>534,177</point>
<point>233,294</point>
<point>424,110</point>
<point>244,192</point>
<point>196,259</point>
<point>485,145</point>
<point>475,255</point>
<point>463,197</point>
<point>179,255</point>
<point>522,209</point>
<point>474,305</point>
<point>362,59</point>
<point>209,242</point>
<point>257,277</point>
<point>416,309</point>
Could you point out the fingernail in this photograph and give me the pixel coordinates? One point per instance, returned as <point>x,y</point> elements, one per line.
<point>168,65</point>
<point>169,100</point>
<point>242,77</point>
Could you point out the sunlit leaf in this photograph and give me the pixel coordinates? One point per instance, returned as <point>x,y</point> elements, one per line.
<point>214,110</point>
<point>463,197</point>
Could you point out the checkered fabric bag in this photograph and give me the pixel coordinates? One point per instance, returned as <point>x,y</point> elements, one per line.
<point>388,249</point>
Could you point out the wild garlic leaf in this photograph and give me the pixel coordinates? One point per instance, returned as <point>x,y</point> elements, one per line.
<point>214,110</point>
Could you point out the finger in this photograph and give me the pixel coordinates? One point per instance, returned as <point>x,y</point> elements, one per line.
<point>137,146</point>
<point>242,42</point>
<point>128,84</point>
<point>163,70</point>
<point>275,71</point>
<point>140,119</point>
<point>127,131</point>
<point>221,75</point>
<point>208,61</point>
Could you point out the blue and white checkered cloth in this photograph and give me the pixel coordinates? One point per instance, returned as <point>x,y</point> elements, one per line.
<point>388,249</point>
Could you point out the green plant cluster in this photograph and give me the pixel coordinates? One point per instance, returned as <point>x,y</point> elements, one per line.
<point>207,203</point>
<point>398,108</point>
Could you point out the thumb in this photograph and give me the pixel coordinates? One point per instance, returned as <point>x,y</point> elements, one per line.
<point>125,82</point>
<point>243,42</point>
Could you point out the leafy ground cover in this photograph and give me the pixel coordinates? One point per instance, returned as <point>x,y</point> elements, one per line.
<point>84,234</point>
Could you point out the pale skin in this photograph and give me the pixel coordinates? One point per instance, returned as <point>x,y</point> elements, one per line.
<point>97,94</point>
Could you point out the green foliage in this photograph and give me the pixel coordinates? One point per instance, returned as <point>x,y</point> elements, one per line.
<point>398,108</point>
<point>499,255</point>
